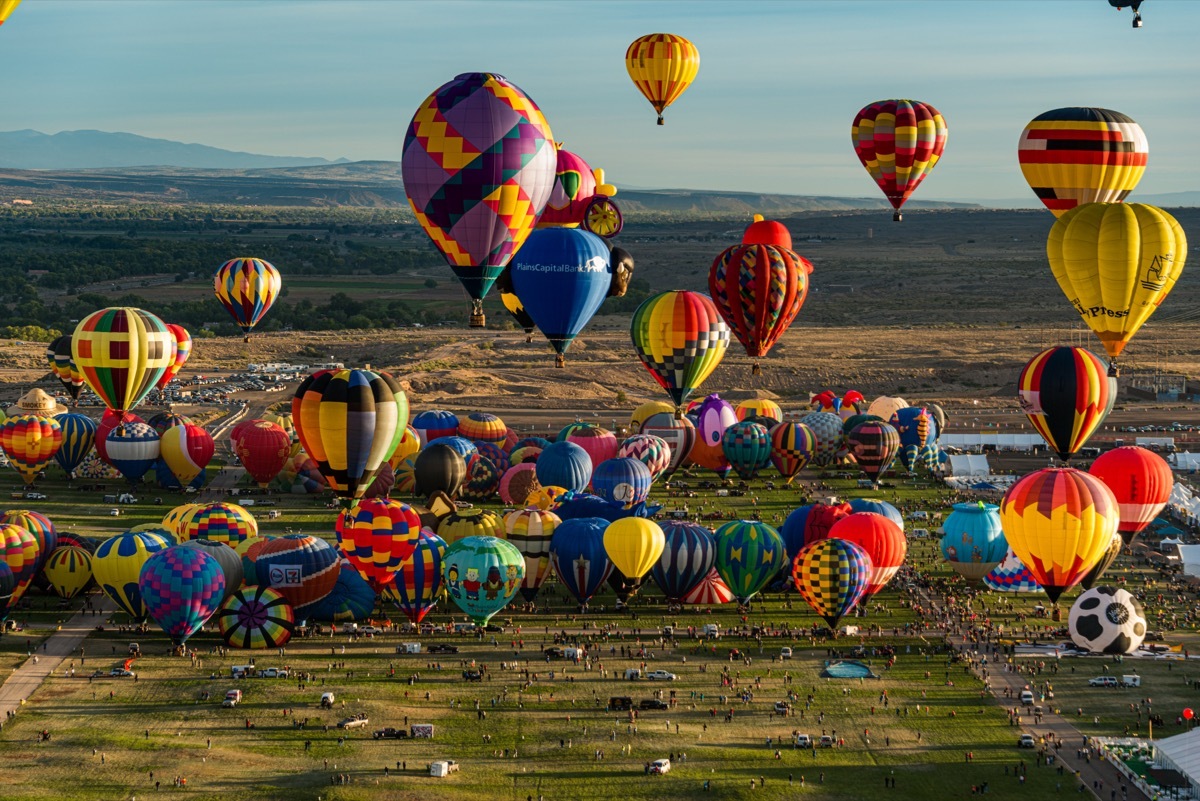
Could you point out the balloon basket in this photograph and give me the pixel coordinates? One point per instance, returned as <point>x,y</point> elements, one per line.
<point>528,339</point>
<point>660,120</point>
<point>1114,371</point>
<point>756,369</point>
<point>246,339</point>
<point>478,319</point>
<point>897,217</point>
<point>560,361</point>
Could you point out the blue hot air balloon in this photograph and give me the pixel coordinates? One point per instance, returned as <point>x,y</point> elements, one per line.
<point>974,542</point>
<point>460,445</point>
<point>418,582</point>
<point>133,448</point>
<point>182,588</point>
<point>690,552</point>
<point>578,555</point>
<point>78,437</point>
<point>566,465</point>
<point>352,598</point>
<point>433,424</point>
<point>878,507</point>
<point>561,275</point>
<point>623,480</point>
<point>918,432</point>
<point>482,575</point>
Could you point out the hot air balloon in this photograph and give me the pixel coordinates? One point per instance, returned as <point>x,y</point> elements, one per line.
<point>678,433</point>
<point>662,66</point>
<point>482,575</point>
<point>183,349</point>
<point>470,522</point>
<point>301,567</point>
<point>710,457</point>
<point>263,448</point>
<point>622,480</point>
<point>62,364</point>
<point>439,468</point>
<point>884,407</point>
<point>434,424</point>
<point>174,520</point>
<point>349,422</point>
<point>19,550</point>
<point>580,561</point>
<point>680,338</point>
<point>562,276</point>
<point>634,544</point>
<point>483,427</point>
<point>644,412</point>
<point>899,142</point>
<point>482,481</point>
<point>460,445</point>
<point>418,582</point>
<point>478,167</point>
<point>109,422</point>
<point>133,449</point>
<point>827,428</point>
<point>256,617</point>
<point>878,507</point>
<point>874,447</point>
<point>7,7</point>
<point>1066,394</point>
<point>531,530</point>
<point>749,555</point>
<point>714,416</point>
<point>1135,7</point>
<point>599,443</point>
<point>747,446</point>
<point>247,287</point>
<point>352,598</point>
<point>8,583</point>
<point>517,309</point>
<point>566,465</point>
<point>1059,522</point>
<point>811,523</point>
<point>759,407</point>
<point>39,527</point>
<point>377,535</point>
<point>689,553</point>
<point>182,588</point>
<point>831,576</point>
<point>1074,156</point>
<point>881,539</point>
<point>1110,555</point>
<point>187,450</point>
<point>758,290</point>
<point>518,483</point>
<point>122,353</point>
<point>1116,263</point>
<point>1011,576</point>
<point>711,591</point>
<point>793,446</point>
<point>229,560</point>
<point>973,542</point>
<point>1141,481</point>
<point>918,431</point>
<point>30,441</point>
<point>69,570</point>
<point>408,445</point>
<point>649,449</point>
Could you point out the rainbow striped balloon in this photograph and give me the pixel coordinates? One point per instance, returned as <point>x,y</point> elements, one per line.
<point>247,288</point>
<point>681,339</point>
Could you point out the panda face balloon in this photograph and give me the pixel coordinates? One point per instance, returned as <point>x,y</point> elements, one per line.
<point>1107,621</point>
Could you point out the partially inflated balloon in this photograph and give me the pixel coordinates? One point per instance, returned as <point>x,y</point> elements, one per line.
<point>302,568</point>
<point>1141,481</point>
<point>1066,393</point>
<point>759,290</point>
<point>899,142</point>
<point>229,560</point>
<point>973,541</point>
<point>1116,263</point>
<point>256,617</point>
<point>433,424</point>
<point>622,480</point>
<point>182,588</point>
<point>1011,576</point>
<point>1106,560</point>
<point>662,66</point>
<point>122,353</point>
<point>247,287</point>
<point>749,555</point>
<point>133,448</point>
<point>680,338</point>
<point>62,364</point>
<point>1059,522</point>
<point>644,412</point>
<point>482,575</point>
<point>831,576</point>
<point>439,468</point>
<point>482,426</point>
<point>478,167</point>
<point>759,407</point>
<point>471,522</point>
<point>352,599</point>
<point>1073,156</point>
<point>649,449</point>
<point>811,523</point>
<point>19,550</point>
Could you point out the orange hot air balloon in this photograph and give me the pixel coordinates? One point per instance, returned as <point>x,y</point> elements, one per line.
<point>1142,482</point>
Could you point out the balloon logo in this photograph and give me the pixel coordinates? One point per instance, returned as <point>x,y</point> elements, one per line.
<point>899,142</point>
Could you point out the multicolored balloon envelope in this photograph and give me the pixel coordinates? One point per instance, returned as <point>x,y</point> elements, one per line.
<point>30,441</point>
<point>39,527</point>
<point>62,364</point>
<point>478,168</point>
<point>183,349</point>
<point>1106,561</point>
<point>711,591</point>
<point>881,539</point>
<point>599,443</point>
<point>1074,156</point>
<point>473,521</point>
<point>749,555</point>
<point>1116,263</point>
<point>747,446</point>
<point>1066,393</point>
<point>662,66</point>
<point>1011,576</point>
<point>8,583</point>
<point>182,588</point>
<point>680,338</point>
<point>433,424</point>
<point>302,568</point>
<point>689,554</point>
<point>247,288</point>
<point>827,427</point>
<point>831,576</point>
<point>117,566</point>
<point>122,353</point>
<point>918,434</point>
<point>133,448</point>
<point>229,560</point>
<point>792,448</point>
<point>1059,522</point>
<point>482,575</point>
<point>679,434</point>
<point>649,449</point>
<point>530,531</point>
<point>226,523</point>
<point>256,617</point>
<point>807,524</point>
<point>418,582</point>
<point>69,569</point>
<point>874,446</point>
<point>78,437</point>
<point>973,542</point>
<point>187,449</point>
<point>577,553</point>
<point>899,142</point>
<point>377,535</point>
<point>349,422</point>
<point>1142,482</point>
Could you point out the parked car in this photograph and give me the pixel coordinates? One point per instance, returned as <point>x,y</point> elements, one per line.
<point>442,648</point>
<point>472,675</point>
<point>803,741</point>
<point>661,675</point>
<point>826,741</point>
<point>354,722</point>
<point>390,733</point>
<point>652,703</point>
<point>620,703</point>
<point>35,496</point>
<point>121,673</point>
<point>660,766</point>
<point>1026,741</point>
<point>1103,681</point>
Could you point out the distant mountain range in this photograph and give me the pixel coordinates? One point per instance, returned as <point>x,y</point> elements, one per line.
<point>81,150</point>
<point>115,167</point>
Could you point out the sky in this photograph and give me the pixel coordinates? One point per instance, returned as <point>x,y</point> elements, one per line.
<point>770,111</point>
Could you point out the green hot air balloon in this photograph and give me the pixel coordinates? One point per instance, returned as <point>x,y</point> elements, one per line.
<point>482,574</point>
<point>749,554</point>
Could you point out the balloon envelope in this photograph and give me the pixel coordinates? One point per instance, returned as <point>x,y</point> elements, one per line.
<point>899,142</point>
<point>689,553</point>
<point>662,67</point>
<point>247,288</point>
<point>117,566</point>
<point>122,353</point>
<point>1141,481</point>
<point>579,558</point>
<point>1065,393</point>
<point>680,338</point>
<point>182,588</point>
<point>418,581</point>
<point>256,617</point>
<point>831,576</point>
<point>749,555</point>
<point>482,575</point>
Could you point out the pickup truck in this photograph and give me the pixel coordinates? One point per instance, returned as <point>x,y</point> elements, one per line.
<point>273,673</point>
<point>441,648</point>
<point>390,734</point>
<point>652,703</point>
<point>354,722</point>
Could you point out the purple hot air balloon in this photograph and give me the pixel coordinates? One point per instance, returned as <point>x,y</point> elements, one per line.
<point>182,588</point>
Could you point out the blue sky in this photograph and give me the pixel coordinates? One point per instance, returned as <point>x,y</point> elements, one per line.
<point>779,82</point>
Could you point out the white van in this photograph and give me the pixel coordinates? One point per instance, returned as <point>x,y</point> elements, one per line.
<point>712,630</point>
<point>241,671</point>
<point>409,648</point>
<point>785,652</point>
<point>1027,697</point>
<point>632,674</point>
<point>1131,681</point>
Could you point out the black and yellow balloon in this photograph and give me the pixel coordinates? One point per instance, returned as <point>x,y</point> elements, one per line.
<point>1116,262</point>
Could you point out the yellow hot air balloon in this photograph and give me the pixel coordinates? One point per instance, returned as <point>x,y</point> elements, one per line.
<point>7,7</point>
<point>68,570</point>
<point>634,544</point>
<point>662,66</point>
<point>1116,262</point>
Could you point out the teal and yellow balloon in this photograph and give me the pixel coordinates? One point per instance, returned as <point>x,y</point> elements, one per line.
<point>749,554</point>
<point>482,574</point>
<point>681,339</point>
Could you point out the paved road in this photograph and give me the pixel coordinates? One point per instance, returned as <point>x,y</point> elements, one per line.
<point>61,645</point>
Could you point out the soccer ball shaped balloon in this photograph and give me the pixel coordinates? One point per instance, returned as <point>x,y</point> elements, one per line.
<point>1107,621</point>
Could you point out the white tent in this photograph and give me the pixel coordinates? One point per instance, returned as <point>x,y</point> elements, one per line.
<point>1181,753</point>
<point>1190,556</point>
<point>968,465</point>
<point>1184,461</point>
